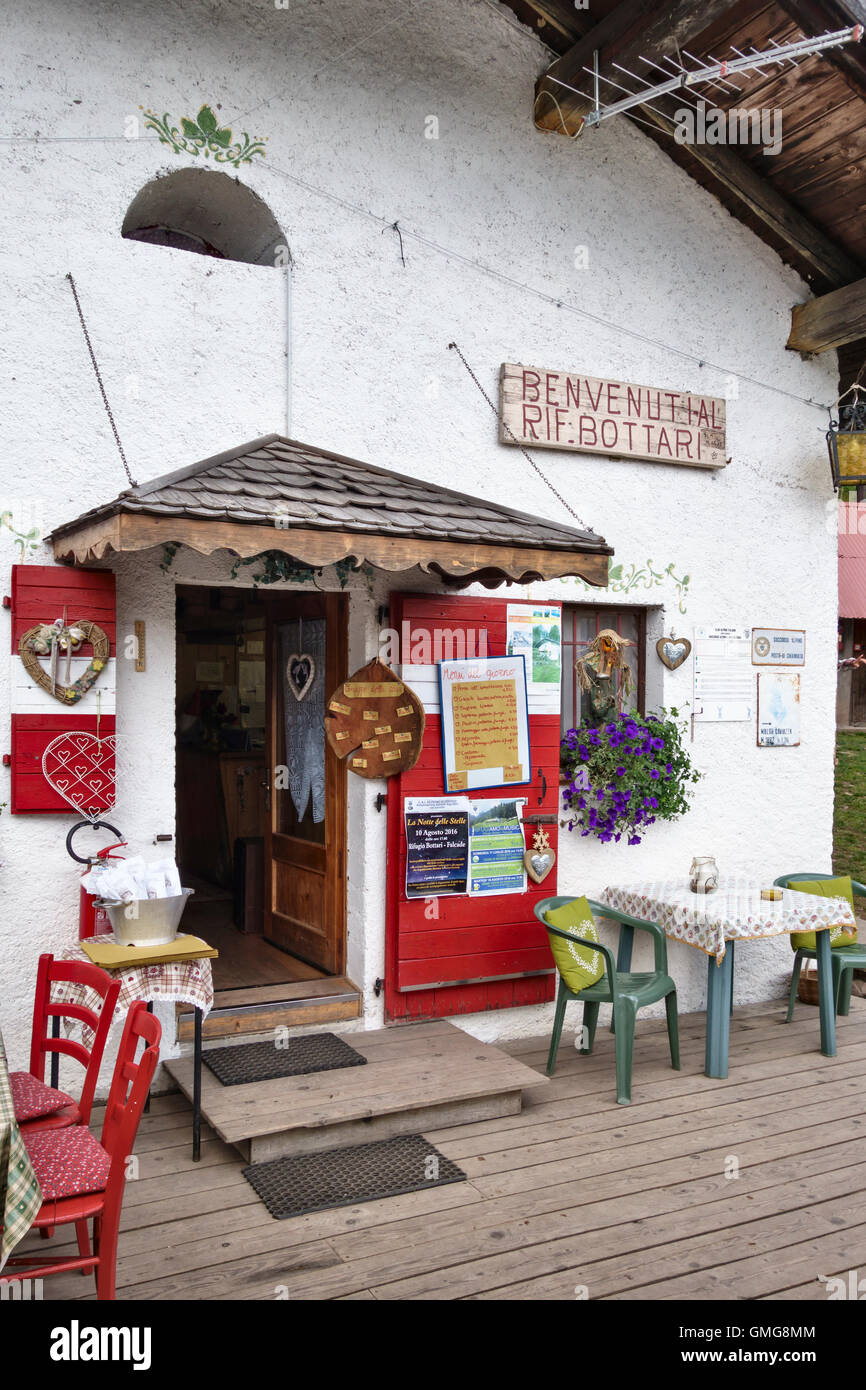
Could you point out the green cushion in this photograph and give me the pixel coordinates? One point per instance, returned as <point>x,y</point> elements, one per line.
<point>825,888</point>
<point>579,966</point>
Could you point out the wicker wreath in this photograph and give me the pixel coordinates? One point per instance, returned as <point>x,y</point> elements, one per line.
<point>37,641</point>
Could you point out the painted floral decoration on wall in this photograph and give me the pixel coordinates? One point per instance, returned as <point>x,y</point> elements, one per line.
<point>205,136</point>
<point>623,579</point>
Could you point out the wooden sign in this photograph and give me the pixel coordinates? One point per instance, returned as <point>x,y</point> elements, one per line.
<point>599,415</point>
<point>376,722</point>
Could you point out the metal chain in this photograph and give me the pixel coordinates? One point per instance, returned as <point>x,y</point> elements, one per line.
<point>132,481</point>
<point>529,459</point>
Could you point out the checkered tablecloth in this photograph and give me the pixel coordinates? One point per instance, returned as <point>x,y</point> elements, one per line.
<point>735,912</point>
<point>179,981</point>
<point>20,1198</point>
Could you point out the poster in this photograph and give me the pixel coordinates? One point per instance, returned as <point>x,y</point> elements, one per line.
<point>437,846</point>
<point>778,709</point>
<point>778,646</point>
<point>724,679</point>
<point>496,848</point>
<point>455,845</point>
<point>485,722</point>
<point>535,633</point>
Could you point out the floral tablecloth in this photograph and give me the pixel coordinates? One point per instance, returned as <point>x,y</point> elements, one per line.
<point>179,981</point>
<point>735,912</point>
<point>20,1198</point>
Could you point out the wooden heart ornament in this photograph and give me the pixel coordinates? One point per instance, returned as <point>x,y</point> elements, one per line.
<point>80,768</point>
<point>539,860</point>
<point>673,651</point>
<point>300,673</point>
<point>58,641</point>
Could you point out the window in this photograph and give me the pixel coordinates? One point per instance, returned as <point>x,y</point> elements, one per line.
<point>208,213</point>
<point>580,626</point>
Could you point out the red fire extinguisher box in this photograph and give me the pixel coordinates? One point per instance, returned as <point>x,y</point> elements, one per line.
<point>41,594</point>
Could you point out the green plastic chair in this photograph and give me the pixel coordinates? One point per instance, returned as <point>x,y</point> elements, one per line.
<point>625,990</point>
<point>845,959</point>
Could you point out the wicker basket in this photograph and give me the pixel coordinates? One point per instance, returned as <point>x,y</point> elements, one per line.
<point>807,988</point>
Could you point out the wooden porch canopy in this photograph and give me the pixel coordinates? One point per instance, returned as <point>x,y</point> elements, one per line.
<point>319,507</point>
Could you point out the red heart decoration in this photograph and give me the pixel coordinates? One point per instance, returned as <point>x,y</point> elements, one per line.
<point>90,788</point>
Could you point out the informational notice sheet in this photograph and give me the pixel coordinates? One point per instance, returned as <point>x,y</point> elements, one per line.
<point>437,846</point>
<point>455,845</point>
<point>779,709</point>
<point>724,678</point>
<point>485,722</point>
<point>534,631</point>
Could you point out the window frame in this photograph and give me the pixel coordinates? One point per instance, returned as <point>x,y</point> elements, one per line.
<point>572,647</point>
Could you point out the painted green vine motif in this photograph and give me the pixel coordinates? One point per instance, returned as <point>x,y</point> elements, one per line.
<point>622,581</point>
<point>280,568</point>
<point>205,136</point>
<point>25,540</point>
<point>168,553</point>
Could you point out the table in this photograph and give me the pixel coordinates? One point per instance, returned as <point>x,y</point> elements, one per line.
<point>715,922</point>
<point>20,1197</point>
<point>178,981</point>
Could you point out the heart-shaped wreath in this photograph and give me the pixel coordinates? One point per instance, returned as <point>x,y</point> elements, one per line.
<point>59,640</point>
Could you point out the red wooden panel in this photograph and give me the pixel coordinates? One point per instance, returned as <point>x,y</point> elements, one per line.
<point>455,953</point>
<point>39,595</point>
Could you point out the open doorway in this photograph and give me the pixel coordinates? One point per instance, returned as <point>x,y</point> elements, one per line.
<point>261,814</point>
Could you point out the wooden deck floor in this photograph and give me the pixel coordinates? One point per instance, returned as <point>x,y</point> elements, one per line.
<point>746,1189</point>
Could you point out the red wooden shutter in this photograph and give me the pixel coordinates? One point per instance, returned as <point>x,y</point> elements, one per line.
<point>39,595</point>
<point>476,955</point>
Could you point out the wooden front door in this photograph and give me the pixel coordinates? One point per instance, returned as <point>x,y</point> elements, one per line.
<point>305,832</point>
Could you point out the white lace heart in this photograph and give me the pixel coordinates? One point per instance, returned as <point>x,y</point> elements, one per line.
<point>88,785</point>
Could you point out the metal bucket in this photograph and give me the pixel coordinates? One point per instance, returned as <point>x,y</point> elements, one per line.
<point>147,921</point>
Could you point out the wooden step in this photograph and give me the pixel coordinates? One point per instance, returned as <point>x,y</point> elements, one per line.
<point>418,1076</point>
<point>265,1007</point>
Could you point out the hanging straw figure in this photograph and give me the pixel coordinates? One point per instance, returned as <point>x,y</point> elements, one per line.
<point>605,676</point>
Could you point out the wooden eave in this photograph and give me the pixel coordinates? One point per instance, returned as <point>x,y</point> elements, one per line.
<point>460,564</point>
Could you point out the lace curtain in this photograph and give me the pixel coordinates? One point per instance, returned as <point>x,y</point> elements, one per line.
<point>305,719</point>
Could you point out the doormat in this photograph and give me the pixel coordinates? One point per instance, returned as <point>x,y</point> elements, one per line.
<point>264,1061</point>
<point>302,1183</point>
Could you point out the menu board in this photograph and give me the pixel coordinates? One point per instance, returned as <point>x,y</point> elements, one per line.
<point>485,722</point>
<point>724,679</point>
<point>455,845</point>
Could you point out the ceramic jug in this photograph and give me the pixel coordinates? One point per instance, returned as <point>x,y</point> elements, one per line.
<point>703,875</point>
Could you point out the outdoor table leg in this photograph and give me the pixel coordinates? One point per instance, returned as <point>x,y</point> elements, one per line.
<point>718,1014</point>
<point>196,1089</point>
<point>826,994</point>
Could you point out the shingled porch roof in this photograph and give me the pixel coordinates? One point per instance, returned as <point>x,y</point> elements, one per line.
<point>320,507</point>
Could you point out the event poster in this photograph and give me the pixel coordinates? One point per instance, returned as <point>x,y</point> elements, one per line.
<point>454,845</point>
<point>535,632</point>
<point>485,722</point>
<point>437,846</point>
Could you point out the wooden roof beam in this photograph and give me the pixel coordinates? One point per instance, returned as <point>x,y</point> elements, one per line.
<point>830,320</point>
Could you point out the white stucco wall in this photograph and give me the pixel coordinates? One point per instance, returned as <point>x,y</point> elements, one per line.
<point>193,356</point>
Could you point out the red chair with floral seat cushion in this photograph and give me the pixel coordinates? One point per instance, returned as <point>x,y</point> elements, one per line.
<point>40,1106</point>
<point>82,1178</point>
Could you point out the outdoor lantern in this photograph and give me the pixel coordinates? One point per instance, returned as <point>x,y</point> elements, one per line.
<point>846,439</point>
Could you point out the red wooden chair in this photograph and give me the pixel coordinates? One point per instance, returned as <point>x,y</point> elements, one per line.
<point>37,1105</point>
<point>83,1179</point>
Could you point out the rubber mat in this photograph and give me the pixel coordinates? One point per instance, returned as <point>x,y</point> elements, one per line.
<point>264,1061</point>
<point>301,1183</point>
